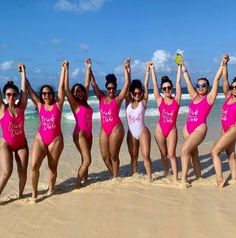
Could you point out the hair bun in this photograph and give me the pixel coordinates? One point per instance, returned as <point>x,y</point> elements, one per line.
<point>111,78</point>
<point>165,79</point>
<point>10,83</point>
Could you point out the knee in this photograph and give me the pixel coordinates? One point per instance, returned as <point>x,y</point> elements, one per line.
<point>214,152</point>
<point>146,155</point>
<point>171,156</point>
<point>184,150</point>
<point>6,174</point>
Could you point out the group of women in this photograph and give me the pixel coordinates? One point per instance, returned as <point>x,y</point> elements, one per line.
<point>48,140</point>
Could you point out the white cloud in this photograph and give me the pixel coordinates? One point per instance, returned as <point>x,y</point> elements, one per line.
<point>7,65</point>
<point>79,5</point>
<point>75,73</point>
<point>56,41</point>
<point>162,59</point>
<point>83,47</point>
<point>232,60</point>
<point>37,71</point>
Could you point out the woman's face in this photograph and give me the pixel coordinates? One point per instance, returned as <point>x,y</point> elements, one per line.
<point>79,93</point>
<point>11,96</point>
<point>167,89</point>
<point>111,90</point>
<point>233,89</point>
<point>137,94</point>
<point>202,87</point>
<point>47,95</point>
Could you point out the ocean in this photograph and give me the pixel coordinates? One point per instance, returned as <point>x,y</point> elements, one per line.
<point>151,116</point>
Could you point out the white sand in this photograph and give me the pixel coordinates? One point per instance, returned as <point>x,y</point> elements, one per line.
<point>125,207</point>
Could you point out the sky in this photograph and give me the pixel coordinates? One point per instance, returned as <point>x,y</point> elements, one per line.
<point>42,33</point>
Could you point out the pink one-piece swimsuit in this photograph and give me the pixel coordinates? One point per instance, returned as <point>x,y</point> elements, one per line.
<point>168,116</point>
<point>13,129</point>
<point>109,114</point>
<point>228,111</point>
<point>197,114</point>
<point>50,124</point>
<point>83,120</point>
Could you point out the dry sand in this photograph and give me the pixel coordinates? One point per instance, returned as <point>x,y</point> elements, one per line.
<point>124,207</point>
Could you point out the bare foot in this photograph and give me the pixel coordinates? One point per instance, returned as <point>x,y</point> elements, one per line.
<point>221,183</point>
<point>232,182</point>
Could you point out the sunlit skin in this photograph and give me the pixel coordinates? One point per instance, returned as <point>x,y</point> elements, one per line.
<point>110,145</point>
<point>6,153</point>
<point>144,142</point>
<point>81,141</point>
<point>167,145</point>
<point>226,141</point>
<point>189,148</point>
<point>39,149</point>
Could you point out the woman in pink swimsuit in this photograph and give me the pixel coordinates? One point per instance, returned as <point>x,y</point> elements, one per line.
<point>13,136</point>
<point>82,134</point>
<point>138,133</point>
<point>195,128</point>
<point>48,140</point>
<point>227,139</point>
<point>112,130</point>
<point>166,132</point>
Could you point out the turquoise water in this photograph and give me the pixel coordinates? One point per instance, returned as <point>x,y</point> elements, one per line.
<point>151,116</point>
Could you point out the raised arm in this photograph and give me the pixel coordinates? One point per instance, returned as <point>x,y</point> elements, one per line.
<point>157,94</point>
<point>61,94</point>
<point>224,64</point>
<point>188,81</point>
<point>213,93</point>
<point>96,89</point>
<point>178,84</point>
<point>125,88</point>
<point>72,101</point>
<point>127,73</point>
<point>145,84</point>
<point>32,94</point>
<point>23,94</point>
<point>87,76</point>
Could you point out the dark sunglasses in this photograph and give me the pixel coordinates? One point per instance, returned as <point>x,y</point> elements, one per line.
<point>137,93</point>
<point>203,85</point>
<point>46,93</point>
<point>232,87</point>
<point>11,94</point>
<point>111,88</point>
<point>167,88</point>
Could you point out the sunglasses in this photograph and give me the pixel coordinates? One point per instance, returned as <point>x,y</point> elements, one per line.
<point>137,94</point>
<point>11,94</point>
<point>232,87</point>
<point>111,88</point>
<point>203,85</point>
<point>46,93</point>
<point>167,88</point>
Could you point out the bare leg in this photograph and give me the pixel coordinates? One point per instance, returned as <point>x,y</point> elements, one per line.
<point>145,145</point>
<point>39,151</point>
<point>54,152</point>
<point>196,163</point>
<point>104,148</point>
<point>224,142</point>
<point>84,146</point>
<point>161,143</point>
<point>172,142</point>
<point>133,147</point>
<point>232,160</point>
<point>22,156</point>
<point>190,143</point>
<point>115,140</point>
<point>6,163</point>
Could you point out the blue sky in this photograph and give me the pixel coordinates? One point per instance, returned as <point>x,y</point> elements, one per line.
<point>41,33</point>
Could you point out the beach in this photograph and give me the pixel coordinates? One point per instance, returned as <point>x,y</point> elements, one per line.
<point>126,206</point>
